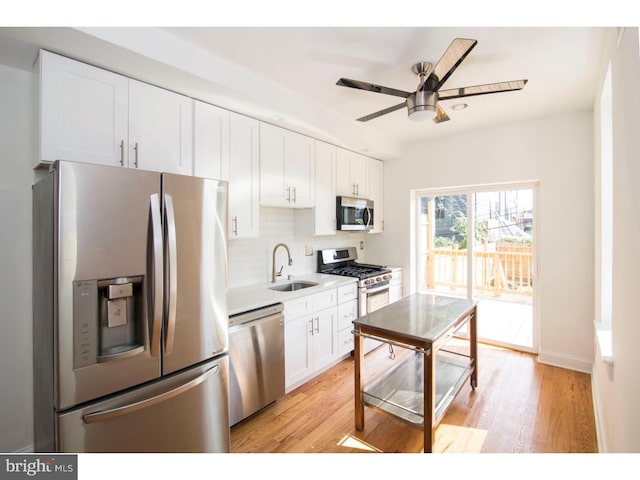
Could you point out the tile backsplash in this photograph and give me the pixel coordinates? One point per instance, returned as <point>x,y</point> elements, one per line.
<point>250,259</point>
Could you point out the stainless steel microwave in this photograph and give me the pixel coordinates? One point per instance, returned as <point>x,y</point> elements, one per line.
<point>354,214</point>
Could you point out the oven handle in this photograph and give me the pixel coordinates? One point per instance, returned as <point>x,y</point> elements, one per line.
<point>377,287</point>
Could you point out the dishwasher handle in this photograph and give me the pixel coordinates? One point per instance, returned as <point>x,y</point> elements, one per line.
<point>252,323</point>
<point>256,314</point>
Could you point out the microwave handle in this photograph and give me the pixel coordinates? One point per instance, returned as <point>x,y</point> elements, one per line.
<point>367,222</point>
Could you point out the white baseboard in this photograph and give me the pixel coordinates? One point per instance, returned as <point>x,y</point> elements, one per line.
<point>570,362</point>
<point>600,424</point>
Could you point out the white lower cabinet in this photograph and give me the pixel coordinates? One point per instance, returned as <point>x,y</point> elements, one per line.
<point>395,285</point>
<point>298,353</point>
<point>310,335</point>
<point>347,313</point>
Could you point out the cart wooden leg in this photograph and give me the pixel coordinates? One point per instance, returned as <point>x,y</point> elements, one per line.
<point>429,396</point>
<point>358,353</point>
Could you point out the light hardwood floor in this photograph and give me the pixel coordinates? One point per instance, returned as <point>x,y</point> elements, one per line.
<point>520,405</point>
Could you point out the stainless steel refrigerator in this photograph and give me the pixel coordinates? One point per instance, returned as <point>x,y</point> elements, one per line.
<point>130,311</point>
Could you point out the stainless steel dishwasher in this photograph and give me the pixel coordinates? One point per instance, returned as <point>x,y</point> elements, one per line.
<point>256,353</point>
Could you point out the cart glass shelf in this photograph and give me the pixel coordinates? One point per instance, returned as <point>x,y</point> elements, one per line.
<point>400,392</point>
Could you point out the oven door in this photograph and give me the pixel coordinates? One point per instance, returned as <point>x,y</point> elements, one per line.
<point>372,299</point>
<point>354,214</point>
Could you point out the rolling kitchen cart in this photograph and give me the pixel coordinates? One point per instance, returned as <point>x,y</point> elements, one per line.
<point>420,388</point>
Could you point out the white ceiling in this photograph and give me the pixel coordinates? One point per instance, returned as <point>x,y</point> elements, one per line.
<point>290,73</point>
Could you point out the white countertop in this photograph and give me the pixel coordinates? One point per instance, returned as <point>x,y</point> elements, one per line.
<point>242,299</point>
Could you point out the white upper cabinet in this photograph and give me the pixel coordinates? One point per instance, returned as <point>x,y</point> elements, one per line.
<point>321,220</point>
<point>376,193</point>
<point>352,174</point>
<point>287,168</point>
<point>83,112</point>
<point>91,115</point>
<point>325,210</point>
<point>210,141</point>
<point>160,129</point>
<point>244,176</point>
<point>226,147</point>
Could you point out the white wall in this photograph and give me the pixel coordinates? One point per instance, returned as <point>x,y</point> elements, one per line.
<point>617,388</point>
<point>17,153</point>
<point>558,152</point>
<point>250,259</point>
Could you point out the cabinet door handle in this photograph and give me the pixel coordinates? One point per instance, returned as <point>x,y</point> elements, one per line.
<point>234,223</point>
<point>317,324</point>
<point>136,149</point>
<point>311,326</point>
<point>294,195</point>
<point>353,189</point>
<point>357,189</point>
<point>122,153</point>
<point>288,193</point>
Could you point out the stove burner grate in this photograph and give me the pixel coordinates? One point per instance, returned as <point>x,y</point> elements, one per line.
<point>358,271</point>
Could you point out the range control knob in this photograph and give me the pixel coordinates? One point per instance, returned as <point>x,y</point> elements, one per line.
<point>386,277</point>
<point>378,279</point>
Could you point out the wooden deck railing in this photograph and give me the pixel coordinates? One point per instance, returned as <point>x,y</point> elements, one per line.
<point>501,269</point>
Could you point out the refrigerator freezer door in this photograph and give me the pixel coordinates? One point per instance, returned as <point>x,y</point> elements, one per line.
<point>195,226</point>
<point>183,413</point>
<point>102,219</point>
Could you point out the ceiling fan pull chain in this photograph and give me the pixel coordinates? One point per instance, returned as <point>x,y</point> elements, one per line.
<point>392,354</point>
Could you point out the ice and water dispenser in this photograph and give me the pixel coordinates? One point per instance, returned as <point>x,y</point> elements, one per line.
<point>108,320</point>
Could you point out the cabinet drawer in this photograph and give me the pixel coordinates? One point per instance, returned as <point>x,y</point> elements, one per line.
<point>345,342</point>
<point>322,300</point>
<point>311,303</point>
<point>347,313</point>
<point>348,292</point>
<point>297,308</point>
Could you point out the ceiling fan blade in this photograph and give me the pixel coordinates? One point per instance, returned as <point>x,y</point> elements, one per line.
<point>371,116</point>
<point>452,58</point>
<point>441,115</point>
<point>482,89</point>
<point>370,87</point>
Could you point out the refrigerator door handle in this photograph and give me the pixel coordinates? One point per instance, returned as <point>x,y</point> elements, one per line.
<point>105,415</point>
<point>171,266</point>
<point>156,288</point>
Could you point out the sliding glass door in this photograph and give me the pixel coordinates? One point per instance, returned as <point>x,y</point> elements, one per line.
<point>479,243</point>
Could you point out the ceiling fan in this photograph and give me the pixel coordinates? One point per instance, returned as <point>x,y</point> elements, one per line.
<point>424,101</point>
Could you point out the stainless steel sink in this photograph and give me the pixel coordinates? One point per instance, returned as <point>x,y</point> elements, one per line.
<point>292,286</point>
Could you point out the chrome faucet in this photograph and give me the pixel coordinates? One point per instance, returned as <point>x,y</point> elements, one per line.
<point>273,265</point>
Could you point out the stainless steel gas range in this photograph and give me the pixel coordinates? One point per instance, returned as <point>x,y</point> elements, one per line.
<point>373,280</point>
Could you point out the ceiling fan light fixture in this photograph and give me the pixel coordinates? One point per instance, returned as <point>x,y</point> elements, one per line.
<point>421,105</point>
<point>459,106</point>
<point>422,113</point>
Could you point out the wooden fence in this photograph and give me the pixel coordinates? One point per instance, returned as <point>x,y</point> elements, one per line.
<point>503,268</point>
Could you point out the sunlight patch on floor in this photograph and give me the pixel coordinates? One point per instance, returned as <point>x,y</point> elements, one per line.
<point>349,441</point>
<point>457,439</point>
